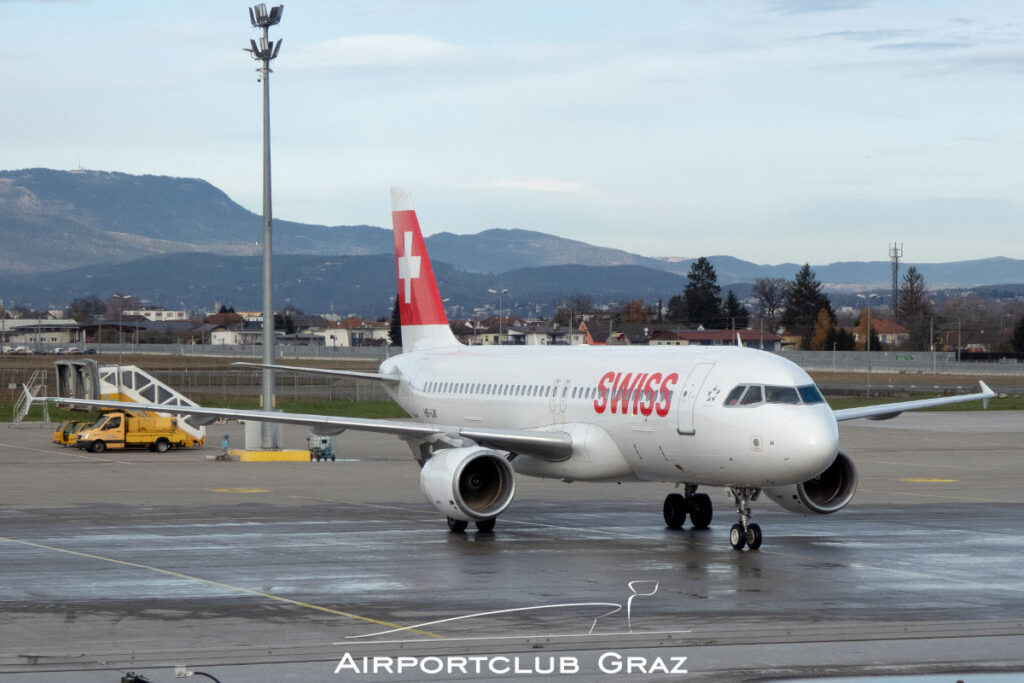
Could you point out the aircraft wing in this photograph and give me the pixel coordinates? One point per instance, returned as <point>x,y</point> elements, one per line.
<point>391,379</point>
<point>887,411</point>
<point>543,444</point>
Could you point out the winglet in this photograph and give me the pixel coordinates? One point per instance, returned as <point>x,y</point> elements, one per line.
<point>985,390</point>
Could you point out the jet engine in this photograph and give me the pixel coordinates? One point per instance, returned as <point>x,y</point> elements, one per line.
<point>828,492</point>
<point>468,483</point>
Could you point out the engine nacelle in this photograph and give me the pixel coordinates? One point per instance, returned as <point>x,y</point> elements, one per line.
<point>469,483</point>
<point>828,492</point>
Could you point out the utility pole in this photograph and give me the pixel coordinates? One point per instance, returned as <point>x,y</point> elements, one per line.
<point>264,52</point>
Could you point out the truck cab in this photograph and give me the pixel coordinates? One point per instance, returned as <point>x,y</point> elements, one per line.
<point>123,429</point>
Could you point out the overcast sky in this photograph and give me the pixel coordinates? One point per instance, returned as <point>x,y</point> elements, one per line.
<point>787,131</point>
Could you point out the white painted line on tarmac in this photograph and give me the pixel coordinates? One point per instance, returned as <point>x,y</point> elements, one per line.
<point>73,455</point>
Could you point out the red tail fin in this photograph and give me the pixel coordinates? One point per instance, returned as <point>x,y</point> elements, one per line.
<point>424,323</point>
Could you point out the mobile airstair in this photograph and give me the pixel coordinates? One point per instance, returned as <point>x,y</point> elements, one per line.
<point>88,379</point>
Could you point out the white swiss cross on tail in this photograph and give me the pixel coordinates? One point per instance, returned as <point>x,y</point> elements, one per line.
<point>419,304</point>
<point>408,267</point>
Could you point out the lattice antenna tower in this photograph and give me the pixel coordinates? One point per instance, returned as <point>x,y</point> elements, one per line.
<point>895,254</point>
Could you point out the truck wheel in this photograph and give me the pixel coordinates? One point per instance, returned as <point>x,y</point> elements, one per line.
<point>98,447</point>
<point>161,446</point>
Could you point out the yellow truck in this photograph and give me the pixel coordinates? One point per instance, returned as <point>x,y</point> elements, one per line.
<point>119,429</point>
<point>71,439</point>
<point>63,431</point>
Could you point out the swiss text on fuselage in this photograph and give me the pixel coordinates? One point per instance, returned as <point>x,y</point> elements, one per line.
<point>638,393</point>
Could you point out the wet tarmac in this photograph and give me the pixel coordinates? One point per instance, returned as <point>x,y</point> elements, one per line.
<point>298,571</point>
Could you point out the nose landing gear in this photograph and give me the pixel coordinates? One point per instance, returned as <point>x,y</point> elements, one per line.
<point>744,532</point>
<point>697,505</point>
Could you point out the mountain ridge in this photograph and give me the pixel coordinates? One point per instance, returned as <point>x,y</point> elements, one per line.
<point>54,220</point>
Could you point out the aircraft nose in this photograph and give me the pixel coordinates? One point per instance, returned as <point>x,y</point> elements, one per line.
<point>812,443</point>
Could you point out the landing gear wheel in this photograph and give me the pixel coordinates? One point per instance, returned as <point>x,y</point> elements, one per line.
<point>675,510</point>
<point>753,537</point>
<point>486,526</point>
<point>701,511</point>
<point>457,526</point>
<point>737,537</point>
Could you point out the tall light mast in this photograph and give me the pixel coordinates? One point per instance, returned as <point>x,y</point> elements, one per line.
<point>264,52</point>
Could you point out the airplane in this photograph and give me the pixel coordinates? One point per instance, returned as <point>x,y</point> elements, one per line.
<point>740,418</point>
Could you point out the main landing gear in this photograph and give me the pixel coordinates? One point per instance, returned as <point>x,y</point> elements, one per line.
<point>459,526</point>
<point>744,532</point>
<point>697,505</point>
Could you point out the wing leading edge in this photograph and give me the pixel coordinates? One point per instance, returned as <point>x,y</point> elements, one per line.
<point>389,379</point>
<point>549,445</point>
<point>887,411</point>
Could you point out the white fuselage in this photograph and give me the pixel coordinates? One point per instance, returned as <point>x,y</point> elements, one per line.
<point>645,413</point>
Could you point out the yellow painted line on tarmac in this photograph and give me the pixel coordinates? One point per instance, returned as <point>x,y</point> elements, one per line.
<point>238,490</point>
<point>921,480</point>
<point>217,584</point>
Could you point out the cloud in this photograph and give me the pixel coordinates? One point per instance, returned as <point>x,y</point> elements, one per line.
<point>861,36</point>
<point>375,50</point>
<point>537,185</point>
<point>924,45</point>
<point>809,6</point>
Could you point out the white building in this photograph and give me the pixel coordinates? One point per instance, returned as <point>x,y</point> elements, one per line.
<point>40,332</point>
<point>157,314</point>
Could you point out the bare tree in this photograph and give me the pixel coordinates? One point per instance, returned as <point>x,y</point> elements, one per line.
<point>771,296</point>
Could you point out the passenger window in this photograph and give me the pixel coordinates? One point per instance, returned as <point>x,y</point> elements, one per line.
<point>734,396</point>
<point>781,395</point>
<point>753,396</point>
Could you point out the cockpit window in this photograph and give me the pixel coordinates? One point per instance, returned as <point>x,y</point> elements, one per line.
<point>734,396</point>
<point>756,394</point>
<point>753,396</point>
<point>781,394</point>
<point>810,394</point>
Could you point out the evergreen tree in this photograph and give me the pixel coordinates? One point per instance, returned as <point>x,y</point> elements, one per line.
<point>839,339</point>
<point>676,312</point>
<point>914,309</point>
<point>702,295</point>
<point>1017,339</point>
<point>804,299</point>
<point>395,331</point>
<point>736,315</point>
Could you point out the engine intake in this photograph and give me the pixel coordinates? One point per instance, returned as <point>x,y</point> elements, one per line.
<point>469,483</point>
<point>826,493</point>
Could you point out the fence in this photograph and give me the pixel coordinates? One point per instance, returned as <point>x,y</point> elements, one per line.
<point>198,384</point>
<point>281,351</point>
<point>226,383</point>
<point>900,362</point>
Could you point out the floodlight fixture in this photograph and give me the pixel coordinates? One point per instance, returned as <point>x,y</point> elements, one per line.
<point>259,17</point>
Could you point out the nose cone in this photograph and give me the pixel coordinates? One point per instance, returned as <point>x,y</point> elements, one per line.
<point>811,443</point>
